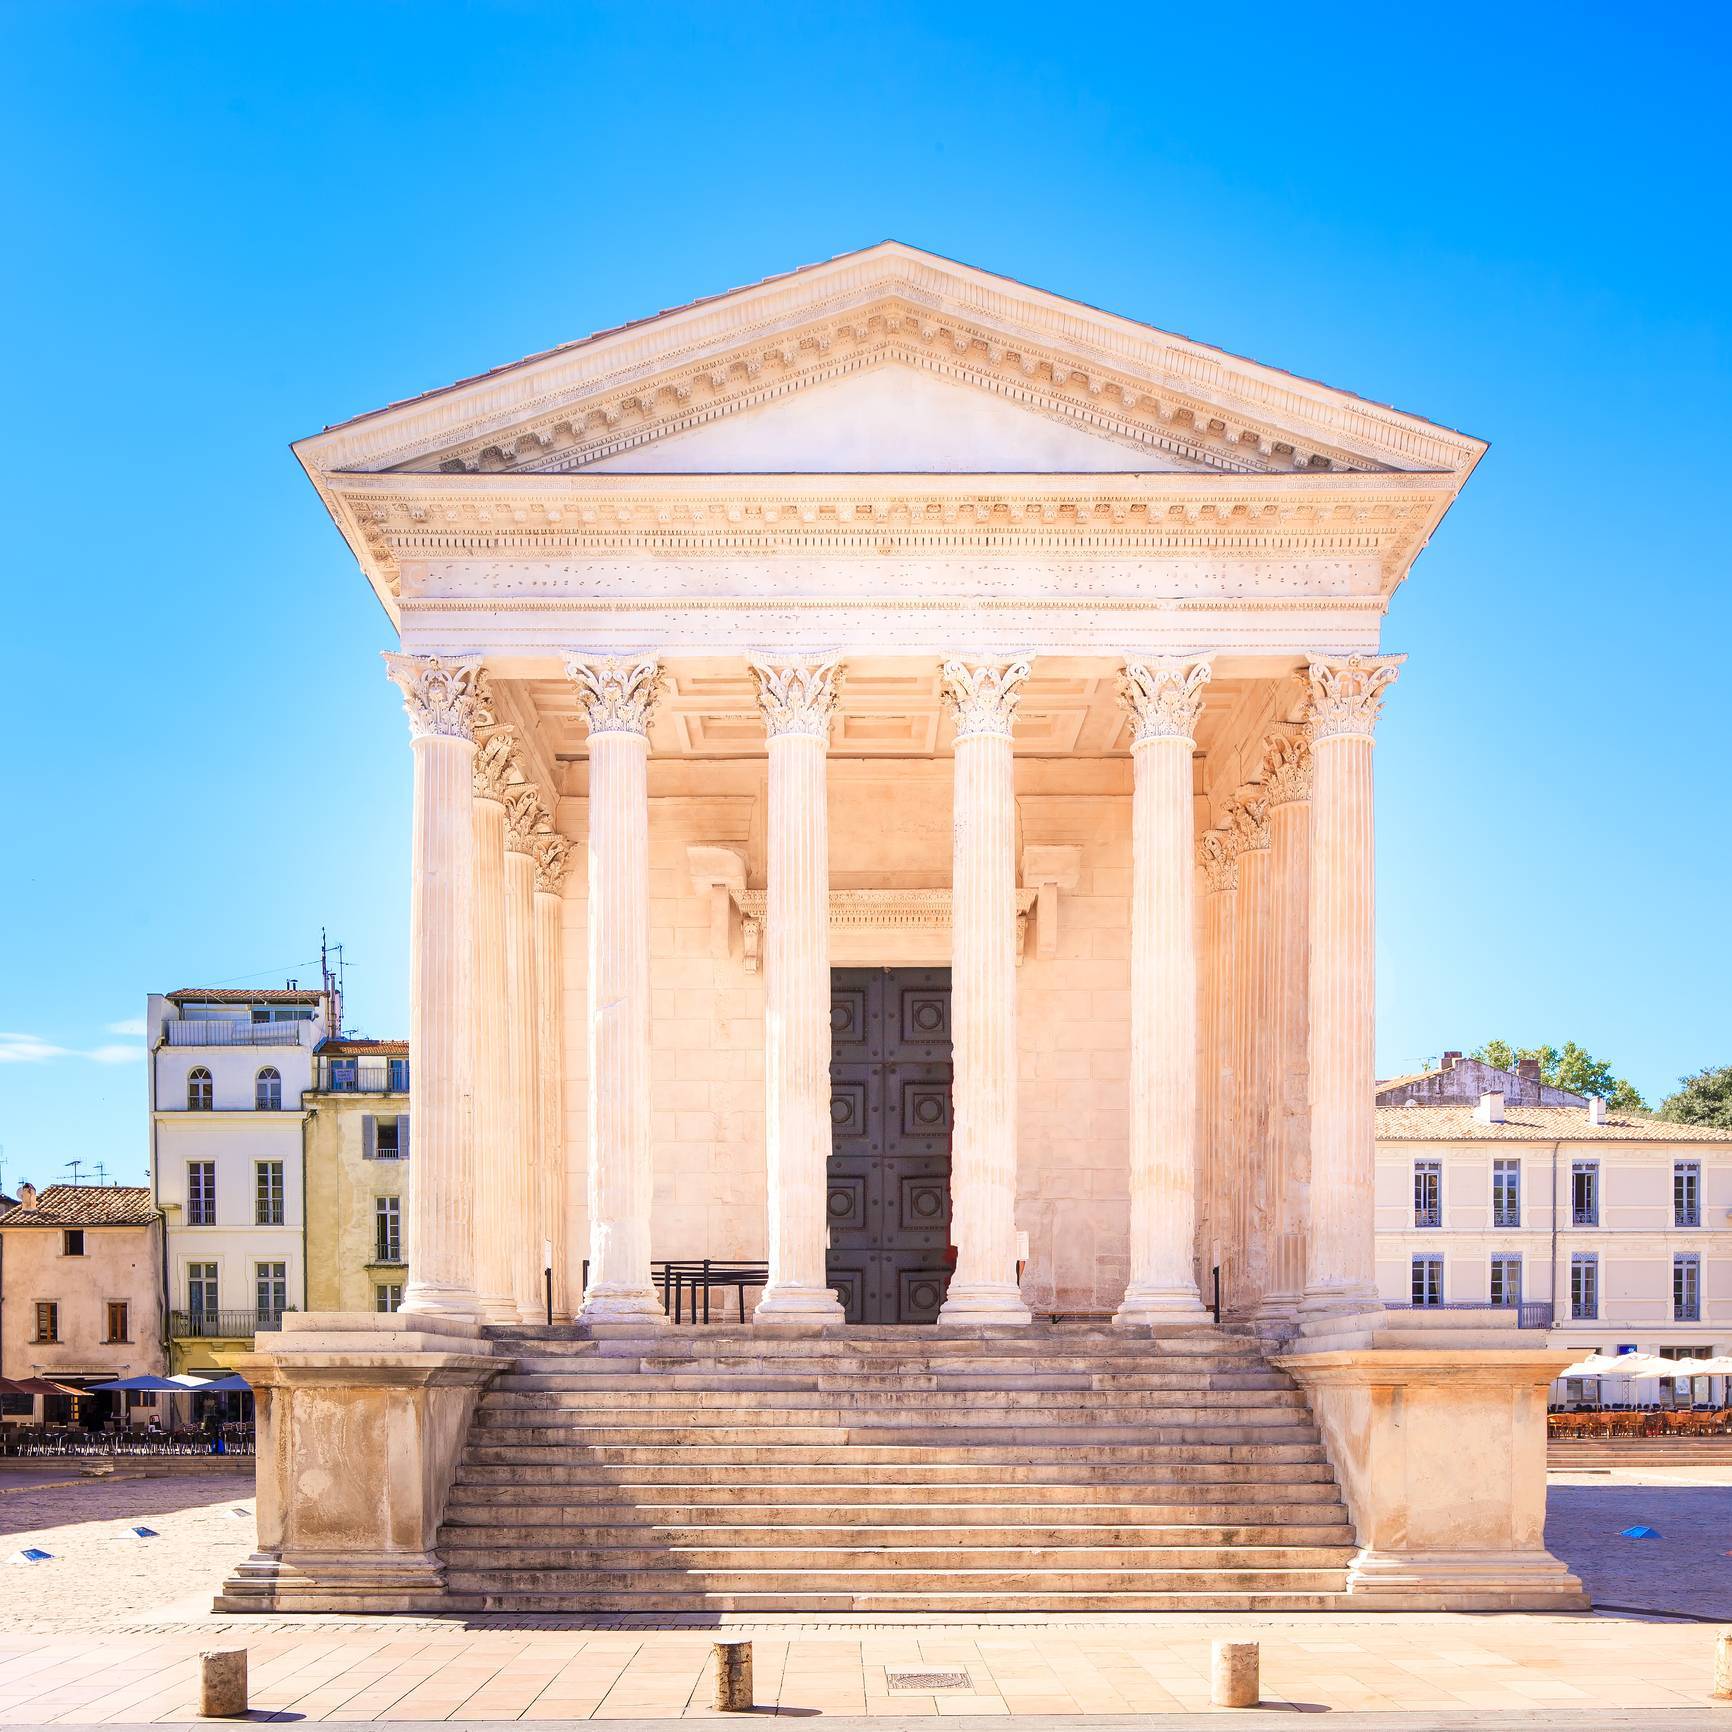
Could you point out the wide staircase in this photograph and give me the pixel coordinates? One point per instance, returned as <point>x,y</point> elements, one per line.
<point>892,1470</point>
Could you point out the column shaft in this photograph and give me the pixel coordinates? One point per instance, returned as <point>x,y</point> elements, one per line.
<point>1217,851</point>
<point>492,1203</point>
<point>550,857</point>
<point>527,1226</point>
<point>1253,996</point>
<point>984,1288</point>
<point>443,701</point>
<point>619,697</point>
<point>1341,1274</point>
<point>1162,1291</point>
<point>797,700</point>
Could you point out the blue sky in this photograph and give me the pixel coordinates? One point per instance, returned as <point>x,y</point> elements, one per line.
<point>226,226</point>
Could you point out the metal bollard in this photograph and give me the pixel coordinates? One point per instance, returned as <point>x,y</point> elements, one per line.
<point>222,1683</point>
<point>1723,1665</point>
<point>734,1676</point>
<point>1233,1675</point>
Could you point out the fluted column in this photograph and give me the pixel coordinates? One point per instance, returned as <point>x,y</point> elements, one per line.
<point>1253,995</point>
<point>984,1288</point>
<point>797,699</point>
<point>444,700</point>
<point>492,1202</point>
<point>1346,698</point>
<point>551,854</point>
<point>1287,776</point>
<point>524,815</point>
<point>619,696</point>
<point>1164,699</point>
<point>1218,856</point>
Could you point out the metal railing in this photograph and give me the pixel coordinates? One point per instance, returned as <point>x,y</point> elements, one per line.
<point>1527,1313</point>
<point>362,1076</point>
<point>217,1032</point>
<point>230,1325</point>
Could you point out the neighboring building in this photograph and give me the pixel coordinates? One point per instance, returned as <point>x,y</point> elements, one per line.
<point>228,1071</point>
<point>1612,1230</point>
<point>1460,1081</point>
<point>80,1291</point>
<point>357,1175</point>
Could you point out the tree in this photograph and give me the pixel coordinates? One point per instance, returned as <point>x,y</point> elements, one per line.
<point>1704,1098</point>
<point>1573,1068</point>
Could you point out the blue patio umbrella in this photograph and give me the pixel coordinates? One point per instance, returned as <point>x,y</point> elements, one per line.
<point>146,1384</point>
<point>234,1383</point>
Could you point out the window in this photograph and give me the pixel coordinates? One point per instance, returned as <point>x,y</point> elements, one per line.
<point>1506,1280</point>
<point>201,1288</point>
<point>399,1069</point>
<point>119,1316</point>
<point>200,1095</point>
<point>385,1139</point>
<point>1427,1281</point>
<point>268,1090</point>
<point>72,1242</point>
<point>1427,1194</point>
<point>1585,1194</point>
<point>388,1229</point>
<point>268,1193</point>
<point>388,1296</point>
<point>201,1193</point>
<point>1686,1193</point>
<point>272,1282</point>
<point>47,1320</point>
<point>1584,1285</point>
<point>1506,1193</point>
<point>1686,1288</point>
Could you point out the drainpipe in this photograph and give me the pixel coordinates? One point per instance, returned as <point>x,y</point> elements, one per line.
<point>165,1322</point>
<point>1555,1302</point>
<point>306,1266</point>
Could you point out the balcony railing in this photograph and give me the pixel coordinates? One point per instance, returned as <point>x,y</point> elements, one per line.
<point>1528,1314</point>
<point>362,1076</point>
<point>219,1032</point>
<point>228,1325</point>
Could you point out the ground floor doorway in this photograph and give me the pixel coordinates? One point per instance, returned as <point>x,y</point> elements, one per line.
<point>890,1114</point>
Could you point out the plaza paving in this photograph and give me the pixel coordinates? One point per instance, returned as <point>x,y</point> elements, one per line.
<point>108,1631</point>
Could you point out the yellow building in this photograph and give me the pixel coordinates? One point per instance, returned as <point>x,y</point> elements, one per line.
<point>357,1157</point>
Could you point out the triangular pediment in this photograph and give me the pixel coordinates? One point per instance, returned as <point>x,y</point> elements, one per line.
<point>887,360</point>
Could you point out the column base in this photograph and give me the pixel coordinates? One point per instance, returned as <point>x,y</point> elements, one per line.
<point>984,1305</point>
<point>426,1300</point>
<point>1150,1307</point>
<point>621,1304</point>
<point>494,1309</point>
<point>789,1302</point>
<point>1402,1581</point>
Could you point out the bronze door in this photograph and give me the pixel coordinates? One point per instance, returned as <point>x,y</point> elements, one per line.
<point>890,1115</point>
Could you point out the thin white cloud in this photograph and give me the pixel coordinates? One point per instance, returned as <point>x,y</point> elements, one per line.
<point>128,1025</point>
<point>113,1054</point>
<point>28,1049</point>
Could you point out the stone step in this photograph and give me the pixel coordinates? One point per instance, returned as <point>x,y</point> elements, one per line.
<point>984,1547</point>
<point>575,1413</point>
<point>937,1605</point>
<point>549,1395</point>
<point>1031,1584</point>
<point>1006,1447</point>
<point>1081,1474</point>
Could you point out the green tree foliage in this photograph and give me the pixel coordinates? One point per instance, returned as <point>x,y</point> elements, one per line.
<point>1570,1067</point>
<point>1702,1099</point>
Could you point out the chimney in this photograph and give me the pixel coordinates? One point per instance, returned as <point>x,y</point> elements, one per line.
<point>1528,1069</point>
<point>27,1196</point>
<point>1451,1060</point>
<point>1490,1108</point>
<point>1596,1110</point>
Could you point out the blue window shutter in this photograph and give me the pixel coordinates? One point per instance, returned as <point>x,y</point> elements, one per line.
<point>369,1137</point>
<point>402,1136</point>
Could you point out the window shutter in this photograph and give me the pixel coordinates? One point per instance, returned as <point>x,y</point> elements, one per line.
<point>369,1138</point>
<point>402,1136</point>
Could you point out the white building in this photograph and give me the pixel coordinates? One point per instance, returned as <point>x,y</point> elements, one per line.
<point>227,1071</point>
<point>1610,1230</point>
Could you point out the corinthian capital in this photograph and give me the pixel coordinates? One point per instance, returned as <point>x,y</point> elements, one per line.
<point>797,697</point>
<point>552,855</point>
<point>983,696</point>
<point>443,699</point>
<point>1218,855</point>
<point>1247,817</point>
<point>1347,694</point>
<point>1287,766</point>
<point>1164,698</point>
<point>524,815</point>
<point>496,764</point>
<point>618,694</point>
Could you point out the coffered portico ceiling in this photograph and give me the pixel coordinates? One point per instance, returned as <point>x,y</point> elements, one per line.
<point>886,451</point>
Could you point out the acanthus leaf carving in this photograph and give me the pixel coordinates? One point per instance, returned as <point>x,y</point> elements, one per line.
<point>618,693</point>
<point>444,698</point>
<point>552,857</point>
<point>1347,695</point>
<point>1164,696</point>
<point>1287,766</point>
<point>982,696</point>
<point>1218,855</point>
<point>496,764</point>
<point>1247,816</point>
<point>797,697</point>
<point>524,816</point>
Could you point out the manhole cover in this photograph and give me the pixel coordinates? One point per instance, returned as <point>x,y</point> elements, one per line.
<point>927,1680</point>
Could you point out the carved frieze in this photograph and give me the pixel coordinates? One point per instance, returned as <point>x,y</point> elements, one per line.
<point>442,697</point>
<point>797,697</point>
<point>1164,697</point>
<point>982,696</point>
<point>618,693</point>
<point>1347,695</point>
<point>925,911</point>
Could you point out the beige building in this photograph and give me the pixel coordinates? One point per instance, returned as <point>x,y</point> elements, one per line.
<point>357,1175</point>
<point>81,1272</point>
<point>892,757</point>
